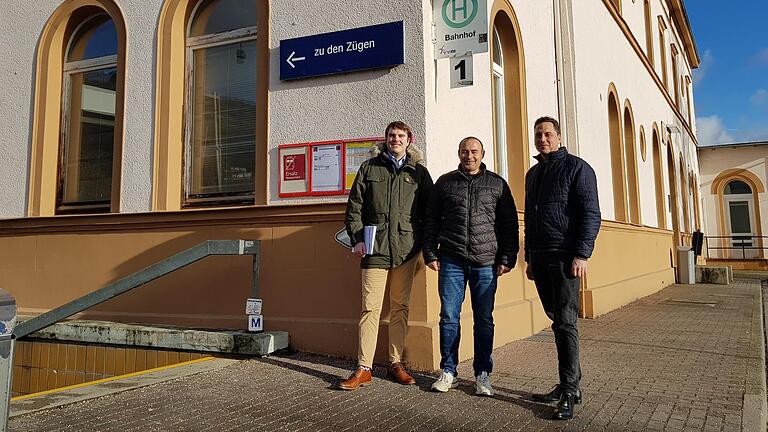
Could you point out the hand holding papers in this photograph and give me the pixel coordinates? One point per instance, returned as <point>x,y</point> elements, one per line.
<point>369,234</point>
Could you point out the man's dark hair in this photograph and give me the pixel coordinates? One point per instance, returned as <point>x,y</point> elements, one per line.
<point>462,142</point>
<point>547,119</point>
<point>399,125</point>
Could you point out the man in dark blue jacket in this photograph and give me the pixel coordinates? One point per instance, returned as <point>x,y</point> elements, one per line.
<point>562,219</point>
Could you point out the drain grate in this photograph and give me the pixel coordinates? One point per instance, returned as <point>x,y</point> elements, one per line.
<point>746,296</point>
<point>545,336</point>
<point>690,302</point>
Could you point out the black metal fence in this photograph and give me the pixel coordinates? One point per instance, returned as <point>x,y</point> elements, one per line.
<point>738,246</point>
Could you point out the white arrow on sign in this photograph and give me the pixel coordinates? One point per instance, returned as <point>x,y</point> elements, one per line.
<point>291,57</point>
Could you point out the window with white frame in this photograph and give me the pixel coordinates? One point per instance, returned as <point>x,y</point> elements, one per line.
<point>88,118</point>
<point>499,108</point>
<point>221,103</point>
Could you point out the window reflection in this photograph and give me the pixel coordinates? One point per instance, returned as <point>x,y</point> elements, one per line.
<point>88,157</point>
<point>221,140</point>
<point>218,16</point>
<point>737,187</point>
<point>224,113</point>
<point>85,180</point>
<point>95,38</point>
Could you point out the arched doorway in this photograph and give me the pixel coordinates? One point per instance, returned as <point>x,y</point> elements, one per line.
<point>740,219</point>
<point>674,211</point>
<point>510,121</point>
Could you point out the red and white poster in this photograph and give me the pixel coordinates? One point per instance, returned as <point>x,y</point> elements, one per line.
<point>294,167</point>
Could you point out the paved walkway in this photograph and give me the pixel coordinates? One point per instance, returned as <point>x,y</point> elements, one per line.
<point>686,358</point>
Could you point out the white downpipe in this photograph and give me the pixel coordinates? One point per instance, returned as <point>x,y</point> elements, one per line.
<point>559,70</point>
<point>566,74</point>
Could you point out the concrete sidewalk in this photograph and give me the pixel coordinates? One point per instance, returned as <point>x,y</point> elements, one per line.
<point>686,358</point>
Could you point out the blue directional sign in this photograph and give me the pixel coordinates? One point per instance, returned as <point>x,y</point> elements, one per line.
<point>372,47</point>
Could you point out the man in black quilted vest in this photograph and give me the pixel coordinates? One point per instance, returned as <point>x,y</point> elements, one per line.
<point>470,236</point>
<point>562,219</point>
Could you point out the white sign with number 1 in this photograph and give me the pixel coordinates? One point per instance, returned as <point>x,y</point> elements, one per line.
<point>461,71</point>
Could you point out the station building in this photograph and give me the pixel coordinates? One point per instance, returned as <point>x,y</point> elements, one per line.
<point>133,130</point>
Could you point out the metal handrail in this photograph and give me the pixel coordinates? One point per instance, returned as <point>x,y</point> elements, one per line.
<point>168,265</point>
<point>121,286</point>
<point>740,246</point>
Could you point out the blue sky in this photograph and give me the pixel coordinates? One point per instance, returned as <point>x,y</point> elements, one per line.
<point>731,84</point>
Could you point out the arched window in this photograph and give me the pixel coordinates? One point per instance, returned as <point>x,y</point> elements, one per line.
<point>663,52</point>
<point>694,186</point>
<point>658,181</point>
<point>684,196</point>
<point>499,107</point>
<point>688,101</point>
<point>618,174</point>
<point>675,77</point>
<point>648,32</point>
<point>207,159</point>
<point>674,208</point>
<point>88,121</point>
<point>221,105</point>
<point>630,161</point>
<point>77,125</point>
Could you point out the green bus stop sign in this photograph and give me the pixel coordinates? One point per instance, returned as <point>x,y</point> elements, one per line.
<point>456,15</point>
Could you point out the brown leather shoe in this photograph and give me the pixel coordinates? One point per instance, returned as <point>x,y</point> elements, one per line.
<point>360,378</point>
<point>397,373</point>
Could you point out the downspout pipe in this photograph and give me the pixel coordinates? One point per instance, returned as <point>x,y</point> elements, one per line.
<point>565,73</point>
<point>559,70</point>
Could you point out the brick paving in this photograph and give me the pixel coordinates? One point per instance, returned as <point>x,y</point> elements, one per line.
<point>677,360</point>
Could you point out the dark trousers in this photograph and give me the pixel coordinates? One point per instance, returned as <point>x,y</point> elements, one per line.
<point>559,293</point>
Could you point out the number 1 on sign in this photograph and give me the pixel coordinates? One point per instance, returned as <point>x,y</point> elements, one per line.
<point>461,71</point>
<point>462,68</point>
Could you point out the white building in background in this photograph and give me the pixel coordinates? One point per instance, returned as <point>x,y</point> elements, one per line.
<point>135,128</point>
<point>733,180</point>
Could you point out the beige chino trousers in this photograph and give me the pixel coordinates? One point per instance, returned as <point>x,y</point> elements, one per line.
<point>375,283</point>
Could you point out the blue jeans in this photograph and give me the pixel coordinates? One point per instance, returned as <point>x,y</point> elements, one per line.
<point>452,281</point>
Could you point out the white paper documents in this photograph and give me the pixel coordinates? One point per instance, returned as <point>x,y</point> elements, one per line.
<point>369,233</point>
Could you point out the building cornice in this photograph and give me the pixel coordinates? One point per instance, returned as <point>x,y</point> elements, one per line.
<point>683,25</point>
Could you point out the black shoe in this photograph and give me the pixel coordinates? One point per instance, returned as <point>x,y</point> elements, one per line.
<point>564,409</point>
<point>554,396</point>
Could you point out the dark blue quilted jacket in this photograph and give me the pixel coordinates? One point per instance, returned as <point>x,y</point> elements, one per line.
<point>562,210</point>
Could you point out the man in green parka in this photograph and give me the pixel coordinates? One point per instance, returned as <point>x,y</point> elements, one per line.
<point>390,192</point>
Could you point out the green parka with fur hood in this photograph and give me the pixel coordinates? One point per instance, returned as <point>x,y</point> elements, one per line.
<point>394,201</point>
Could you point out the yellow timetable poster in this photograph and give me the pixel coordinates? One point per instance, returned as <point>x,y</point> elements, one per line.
<point>357,152</point>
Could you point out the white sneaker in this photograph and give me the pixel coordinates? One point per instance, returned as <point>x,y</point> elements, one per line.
<point>446,382</point>
<point>483,385</point>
